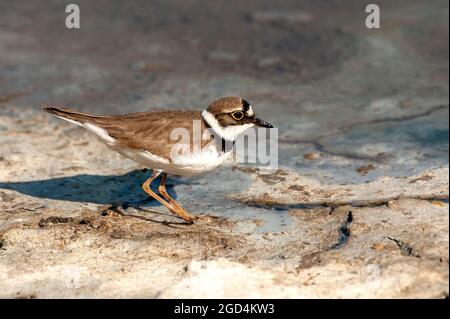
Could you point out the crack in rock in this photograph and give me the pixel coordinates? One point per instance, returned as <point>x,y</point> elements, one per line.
<point>53,220</point>
<point>406,249</point>
<point>344,232</point>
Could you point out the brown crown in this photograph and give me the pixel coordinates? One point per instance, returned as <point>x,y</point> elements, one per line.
<point>226,105</point>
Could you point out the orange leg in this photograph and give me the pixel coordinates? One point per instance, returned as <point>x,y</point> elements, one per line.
<point>174,209</point>
<point>179,210</point>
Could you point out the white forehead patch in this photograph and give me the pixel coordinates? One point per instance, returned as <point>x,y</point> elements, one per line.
<point>249,111</point>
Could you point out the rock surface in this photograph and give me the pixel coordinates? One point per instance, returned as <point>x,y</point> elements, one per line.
<point>357,208</point>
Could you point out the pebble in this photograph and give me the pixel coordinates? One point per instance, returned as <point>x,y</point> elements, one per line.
<point>392,203</point>
<point>311,156</point>
<point>437,203</point>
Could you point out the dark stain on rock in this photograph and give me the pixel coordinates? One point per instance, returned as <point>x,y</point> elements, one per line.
<point>309,261</point>
<point>117,234</point>
<point>274,178</point>
<point>87,222</point>
<point>363,170</point>
<point>297,188</point>
<point>245,169</point>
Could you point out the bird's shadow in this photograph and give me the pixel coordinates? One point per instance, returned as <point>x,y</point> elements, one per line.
<point>99,189</point>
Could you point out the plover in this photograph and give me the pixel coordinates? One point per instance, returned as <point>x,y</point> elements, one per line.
<point>148,138</point>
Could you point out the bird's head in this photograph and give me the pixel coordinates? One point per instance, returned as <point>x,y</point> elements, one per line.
<point>231,116</point>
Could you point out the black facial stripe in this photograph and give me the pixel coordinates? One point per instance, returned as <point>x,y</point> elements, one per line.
<point>246,105</point>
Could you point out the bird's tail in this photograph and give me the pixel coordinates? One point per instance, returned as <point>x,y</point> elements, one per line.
<point>91,122</point>
<point>73,116</point>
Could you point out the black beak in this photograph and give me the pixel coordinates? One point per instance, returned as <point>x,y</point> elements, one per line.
<point>262,123</point>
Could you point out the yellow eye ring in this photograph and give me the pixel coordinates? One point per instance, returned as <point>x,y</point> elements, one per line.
<point>238,115</point>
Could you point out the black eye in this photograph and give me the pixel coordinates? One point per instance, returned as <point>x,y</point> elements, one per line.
<point>238,115</point>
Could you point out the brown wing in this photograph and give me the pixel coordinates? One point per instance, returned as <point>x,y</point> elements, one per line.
<point>144,130</point>
<point>151,130</point>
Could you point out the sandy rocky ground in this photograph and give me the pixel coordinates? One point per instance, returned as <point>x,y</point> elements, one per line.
<point>358,206</point>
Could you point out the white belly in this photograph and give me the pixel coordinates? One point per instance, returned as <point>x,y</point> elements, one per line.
<point>184,165</point>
